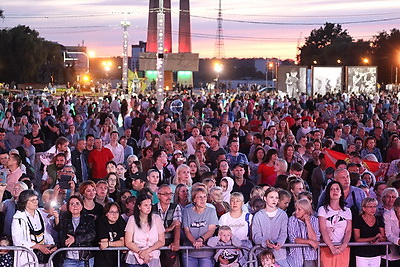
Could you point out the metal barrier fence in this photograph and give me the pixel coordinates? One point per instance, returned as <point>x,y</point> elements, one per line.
<point>252,259</point>
<point>119,249</point>
<point>35,261</point>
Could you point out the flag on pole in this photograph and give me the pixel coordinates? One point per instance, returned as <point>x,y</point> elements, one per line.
<point>377,168</point>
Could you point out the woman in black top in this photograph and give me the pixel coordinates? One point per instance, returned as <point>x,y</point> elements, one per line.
<point>110,233</point>
<point>368,228</point>
<point>88,190</point>
<point>77,229</point>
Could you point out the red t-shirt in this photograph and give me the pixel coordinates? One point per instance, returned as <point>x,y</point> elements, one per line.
<point>268,175</point>
<point>290,120</point>
<point>98,160</point>
<point>392,154</point>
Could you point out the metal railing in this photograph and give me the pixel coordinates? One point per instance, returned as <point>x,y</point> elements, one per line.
<point>253,261</point>
<point>252,258</point>
<point>35,261</point>
<point>119,249</point>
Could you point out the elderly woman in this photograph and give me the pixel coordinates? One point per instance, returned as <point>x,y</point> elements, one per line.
<point>28,230</point>
<point>144,235</point>
<point>368,228</point>
<point>391,219</point>
<point>335,223</point>
<point>389,195</point>
<point>77,229</point>
<point>9,206</point>
<point>199,224</point>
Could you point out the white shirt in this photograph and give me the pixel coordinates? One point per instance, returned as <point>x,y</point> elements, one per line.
<point>239,226</point>
<point>117,151</point>
<point>114,106</point>
<point>336,222</point>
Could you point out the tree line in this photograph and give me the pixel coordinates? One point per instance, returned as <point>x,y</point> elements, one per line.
<point>330,43</point>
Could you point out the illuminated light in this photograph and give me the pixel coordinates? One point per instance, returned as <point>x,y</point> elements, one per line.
<point>271,65</point>
<point>315,62</point>
<point>218,67</point>
<point>92,54</point>
<point>365,60</point>
<point>338,61</point>
<point>86,78</point>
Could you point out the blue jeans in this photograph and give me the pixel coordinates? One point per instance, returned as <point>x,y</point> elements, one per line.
<point>76,263</point>
<point>197,262</point>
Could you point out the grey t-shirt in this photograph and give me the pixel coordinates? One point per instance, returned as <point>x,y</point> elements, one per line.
<point>74,254</point>
<point>198,225</point>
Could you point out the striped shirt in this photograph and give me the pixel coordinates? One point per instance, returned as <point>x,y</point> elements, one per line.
<point>298,229</point>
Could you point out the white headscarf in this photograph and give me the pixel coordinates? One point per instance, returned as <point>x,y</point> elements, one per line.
<point>227,194</point>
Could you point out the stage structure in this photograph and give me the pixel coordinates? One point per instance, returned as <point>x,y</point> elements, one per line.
<point>184,62</point>
<point>292,80</point>
<point>327,80</point>
<point>361,79</point>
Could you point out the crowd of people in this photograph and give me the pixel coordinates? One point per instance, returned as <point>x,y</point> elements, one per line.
<point>227,171</point>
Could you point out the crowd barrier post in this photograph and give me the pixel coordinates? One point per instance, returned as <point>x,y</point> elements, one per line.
<point>30,252</point>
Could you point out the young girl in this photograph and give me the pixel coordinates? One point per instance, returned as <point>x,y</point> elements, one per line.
<point>153,177</point>
<point>284,199</point>
<point>227,186</point>
<point>267,259</point>
<point>113,185</point>
<point>6,257</point>
<point>269,228</point>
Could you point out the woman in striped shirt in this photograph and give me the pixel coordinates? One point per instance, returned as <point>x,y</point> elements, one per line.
<point>303,228</point>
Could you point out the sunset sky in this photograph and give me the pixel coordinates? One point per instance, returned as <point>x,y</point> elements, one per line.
<point>253,29</point>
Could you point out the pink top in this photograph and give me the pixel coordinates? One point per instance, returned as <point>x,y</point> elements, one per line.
<point>144,237</point>
<point>12,178</point>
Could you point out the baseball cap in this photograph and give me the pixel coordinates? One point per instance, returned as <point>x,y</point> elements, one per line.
<point>177,152</point>
<point>140,176</point>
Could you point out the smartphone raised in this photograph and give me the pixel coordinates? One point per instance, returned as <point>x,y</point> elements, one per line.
<point>64,181</point>
<point>3,178</point>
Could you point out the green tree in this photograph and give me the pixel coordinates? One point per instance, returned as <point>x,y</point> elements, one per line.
<point>386,54</point>
<point>23,54</point>
<point>331,43</point>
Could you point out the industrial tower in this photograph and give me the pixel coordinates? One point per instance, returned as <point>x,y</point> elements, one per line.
<point>219,42</point>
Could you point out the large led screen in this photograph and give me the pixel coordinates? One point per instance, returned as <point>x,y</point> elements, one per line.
<point>361,79</point>
<point>327,80</point>
<point>292,80</point>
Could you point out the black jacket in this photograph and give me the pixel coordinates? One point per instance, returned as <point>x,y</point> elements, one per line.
<point>85,233</point>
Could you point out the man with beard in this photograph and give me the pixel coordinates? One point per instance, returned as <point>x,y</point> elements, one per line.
<point>50,176</point>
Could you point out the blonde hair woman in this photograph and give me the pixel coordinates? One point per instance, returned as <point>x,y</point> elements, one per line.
<point>182,176</point>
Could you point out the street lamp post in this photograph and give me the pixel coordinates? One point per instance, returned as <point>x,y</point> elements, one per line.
<point>107,67</point>
<point>218,69</point>
<point>271,67</point>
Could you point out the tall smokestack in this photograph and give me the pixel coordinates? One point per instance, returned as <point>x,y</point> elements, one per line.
<point>185,43</point>
<point>152,27</point>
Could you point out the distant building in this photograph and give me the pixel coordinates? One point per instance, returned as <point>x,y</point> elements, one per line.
<point>136,50</point>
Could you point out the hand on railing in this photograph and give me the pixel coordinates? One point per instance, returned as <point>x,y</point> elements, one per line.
<point>175,246</point>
